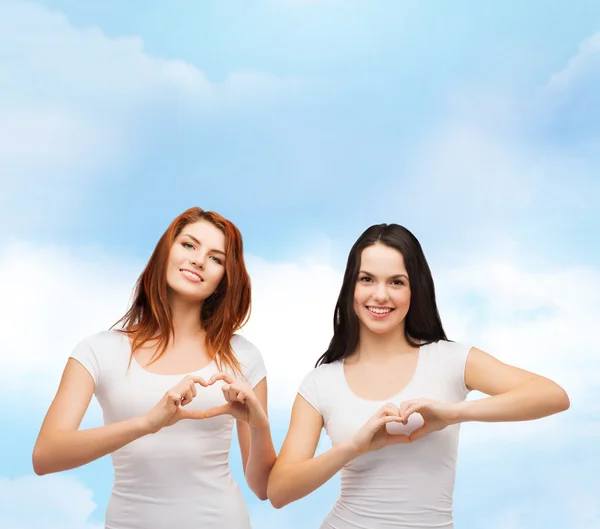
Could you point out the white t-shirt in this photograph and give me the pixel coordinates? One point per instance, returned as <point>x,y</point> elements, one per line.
<point>178,477</point>
<point>402,486</point>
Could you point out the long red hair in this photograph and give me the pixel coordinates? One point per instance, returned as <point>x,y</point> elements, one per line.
<point>223,313</point>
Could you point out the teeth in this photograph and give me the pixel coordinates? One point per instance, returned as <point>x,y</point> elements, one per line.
<point>379,311</point>
<point>191,275</point>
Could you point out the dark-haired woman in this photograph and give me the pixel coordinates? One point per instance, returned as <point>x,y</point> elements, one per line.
<point>390,391</point>
<point>171,380</point>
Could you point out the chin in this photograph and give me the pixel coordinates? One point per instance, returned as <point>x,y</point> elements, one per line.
<point>379,329</point>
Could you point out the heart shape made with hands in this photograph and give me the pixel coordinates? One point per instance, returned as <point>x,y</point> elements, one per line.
<point>236,395</point>
<point>415,420</point>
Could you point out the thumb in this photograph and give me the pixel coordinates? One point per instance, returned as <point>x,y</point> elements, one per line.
<point>184,413</point>
<point>419,432</point>
<point>218,410</point>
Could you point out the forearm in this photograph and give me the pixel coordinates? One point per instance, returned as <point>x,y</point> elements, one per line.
<point>261,459</point>
<point>294,480</point>
<point>532,400</point>
<point>63,450</point>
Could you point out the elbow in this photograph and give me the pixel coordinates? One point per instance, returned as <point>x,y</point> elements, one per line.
<point>563,403</point>
<point>262,496</point>
<point>40,465</point>
<point>277,502</point>
<point>276,496</point>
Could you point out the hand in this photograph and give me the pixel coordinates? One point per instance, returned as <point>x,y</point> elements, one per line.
<point>374,435</point>
<point>169,409</point>
<point>242,403</point>
<point>436,415</point>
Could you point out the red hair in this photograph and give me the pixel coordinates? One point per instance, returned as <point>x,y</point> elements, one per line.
<point>224,312</point>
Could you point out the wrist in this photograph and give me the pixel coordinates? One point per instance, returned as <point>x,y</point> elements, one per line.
<point>143,425</point>
<point>460,412</point>
<point>349,449</point>
<point>261,426</point>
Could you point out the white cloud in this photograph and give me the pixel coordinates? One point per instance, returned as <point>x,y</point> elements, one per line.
<point>76,103</point>
<point>583,65</point>
<point>51,502</point>
<point>56,299</point>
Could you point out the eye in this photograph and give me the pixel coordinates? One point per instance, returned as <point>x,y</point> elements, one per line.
<point>365,279</point>
<point>398,282</point>
<point>187,245</point>
<point>216,259</point>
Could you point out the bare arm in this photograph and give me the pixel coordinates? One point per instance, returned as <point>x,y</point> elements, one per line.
<point>297,472</point>
<point>61,446</point>
<point>256,445</point>
<point>515,394</point>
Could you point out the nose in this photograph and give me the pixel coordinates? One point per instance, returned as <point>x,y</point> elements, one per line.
<point>197,260</point>
<point>381,294</point>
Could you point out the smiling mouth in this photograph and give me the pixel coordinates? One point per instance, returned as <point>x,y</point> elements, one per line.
<point>380,310</point>
<point>192,276</point>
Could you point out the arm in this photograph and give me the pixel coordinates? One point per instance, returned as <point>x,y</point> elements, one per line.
<point>60,445</point>
<point>256,445</point>
<point>297,472</point>
<point>515,394</point>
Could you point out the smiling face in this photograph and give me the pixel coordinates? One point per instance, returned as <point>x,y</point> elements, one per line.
<point>196,261</point>
<point>382,291</point>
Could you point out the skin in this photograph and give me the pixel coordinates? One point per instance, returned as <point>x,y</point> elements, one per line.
<point>198,250</point>
<point>372,370</point>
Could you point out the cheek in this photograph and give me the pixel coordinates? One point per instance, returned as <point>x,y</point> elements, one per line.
<point>217,272</point>
<point>402,298</point>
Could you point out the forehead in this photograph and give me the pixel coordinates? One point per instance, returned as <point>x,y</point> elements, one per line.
<point>207,233</point>
<point>380,259</point>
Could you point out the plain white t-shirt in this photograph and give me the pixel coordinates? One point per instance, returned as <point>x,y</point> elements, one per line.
<point>178,477</point>
<point>403,486</point>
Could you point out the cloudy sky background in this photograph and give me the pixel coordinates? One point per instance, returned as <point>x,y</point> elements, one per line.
<point>305,122</point>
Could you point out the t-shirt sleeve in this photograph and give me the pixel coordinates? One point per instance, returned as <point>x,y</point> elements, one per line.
<point>309,390</point>
<point>251,360</point>
<point>457,360</point>
<point>85,354</point>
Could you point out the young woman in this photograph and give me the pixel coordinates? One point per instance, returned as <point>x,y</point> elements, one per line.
<point>390,391</point>
<point>170,383</point>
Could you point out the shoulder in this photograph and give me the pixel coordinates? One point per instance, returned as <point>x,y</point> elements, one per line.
<point>103,340</point>
<point>449,349</point>
<point>250,359</point>
<point>323,373</point>
<point>244,349</point>
<point>96,352</point>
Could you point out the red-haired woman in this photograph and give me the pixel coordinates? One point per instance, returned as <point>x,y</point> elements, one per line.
<point>171,380</point>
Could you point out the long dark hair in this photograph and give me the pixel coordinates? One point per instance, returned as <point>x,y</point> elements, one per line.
<point>422,324</point>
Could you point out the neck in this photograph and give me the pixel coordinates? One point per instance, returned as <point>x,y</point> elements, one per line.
<point>186,317</point>
<point>373,346</point>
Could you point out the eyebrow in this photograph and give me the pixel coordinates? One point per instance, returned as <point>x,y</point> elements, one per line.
<point>392,277</point>
<point>214,250</point>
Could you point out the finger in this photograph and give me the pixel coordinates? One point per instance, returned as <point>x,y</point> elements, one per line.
<point>422,431</point>
<point>199,380</point>
<point>382,421</point>
<point>190,414</point>
<point>387,410</point>
<point>174,397</point>
<point>229,392</point>
<point>193,388</point>
<point>187,398</point>
<point>223,375</point>
<point>225,409</point>
<point>241,397</point>
<point>409,411</point>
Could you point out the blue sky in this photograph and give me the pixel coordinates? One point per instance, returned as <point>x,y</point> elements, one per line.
<point>476,127</point>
